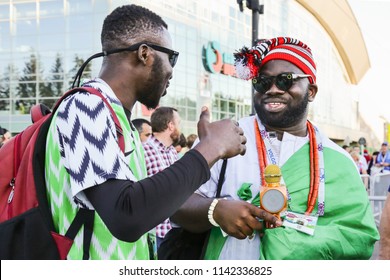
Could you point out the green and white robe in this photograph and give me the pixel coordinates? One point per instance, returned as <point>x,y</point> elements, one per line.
<point>345,231</point>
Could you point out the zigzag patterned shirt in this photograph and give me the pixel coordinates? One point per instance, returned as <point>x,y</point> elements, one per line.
<point>82,152</point>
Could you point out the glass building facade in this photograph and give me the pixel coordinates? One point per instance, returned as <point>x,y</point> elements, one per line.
<point>43,43</point>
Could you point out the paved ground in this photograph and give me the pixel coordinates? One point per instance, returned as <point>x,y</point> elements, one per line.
<point>376,251</point>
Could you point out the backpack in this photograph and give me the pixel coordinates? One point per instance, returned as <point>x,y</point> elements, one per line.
<point>26,225</point>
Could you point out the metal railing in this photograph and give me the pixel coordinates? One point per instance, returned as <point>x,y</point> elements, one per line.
<point>377,189</point>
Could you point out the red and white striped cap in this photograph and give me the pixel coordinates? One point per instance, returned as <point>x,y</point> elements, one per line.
<point>249,61</point>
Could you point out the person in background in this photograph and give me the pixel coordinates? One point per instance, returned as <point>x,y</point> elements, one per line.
<point>5,135</point>
<point>362,159</point>
<point>86,168</point>
<point>328,212</point>
<point>190,140</point>
<point>160,152</point>
<point>366,156</point>
<point>360,166</point>
<point>372,170</point>
<point>383,158</point>
<point>180,144</point>
<point>2,130</point>
<point>384,230</point>
<point>143,127</point>
<point>347,148</point>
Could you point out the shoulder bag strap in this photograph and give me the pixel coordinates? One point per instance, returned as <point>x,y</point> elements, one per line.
<point>221,178</point>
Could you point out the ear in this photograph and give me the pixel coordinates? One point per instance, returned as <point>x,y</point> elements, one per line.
<point>312,90</point>
<point>171,126</point>
<point>143,54</point>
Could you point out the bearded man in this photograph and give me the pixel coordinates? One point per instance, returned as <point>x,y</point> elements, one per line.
<point>85,167</point>
<point>325,209</point>
<point>160,151</point>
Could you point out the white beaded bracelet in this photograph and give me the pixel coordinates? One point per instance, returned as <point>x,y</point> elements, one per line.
<point>211,212</point>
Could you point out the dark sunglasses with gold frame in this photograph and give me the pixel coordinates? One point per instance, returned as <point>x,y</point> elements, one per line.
<point>283,81</point>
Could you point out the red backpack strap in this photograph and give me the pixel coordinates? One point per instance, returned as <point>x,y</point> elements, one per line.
<point>94,91</point>
<point>17,155</point>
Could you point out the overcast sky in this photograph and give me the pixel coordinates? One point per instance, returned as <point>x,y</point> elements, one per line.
<point>374,20</point>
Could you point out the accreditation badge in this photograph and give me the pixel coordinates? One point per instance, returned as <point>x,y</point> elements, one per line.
<point>300,222</point>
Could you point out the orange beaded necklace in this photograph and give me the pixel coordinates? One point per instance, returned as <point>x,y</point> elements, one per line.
<point>314,163</point>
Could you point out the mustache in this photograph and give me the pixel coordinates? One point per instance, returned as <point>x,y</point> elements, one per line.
<point>273,100</point>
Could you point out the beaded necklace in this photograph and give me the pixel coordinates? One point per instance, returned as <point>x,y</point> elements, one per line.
<point>314,165</point>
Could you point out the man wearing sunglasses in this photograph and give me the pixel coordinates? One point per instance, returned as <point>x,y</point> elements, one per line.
<point>85,167</point>
<point>328,215</point>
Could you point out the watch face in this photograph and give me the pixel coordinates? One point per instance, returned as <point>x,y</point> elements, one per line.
<point>273,201</point>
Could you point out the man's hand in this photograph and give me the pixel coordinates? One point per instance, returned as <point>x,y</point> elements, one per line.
<point>241,219</point>
<point>220,139</point>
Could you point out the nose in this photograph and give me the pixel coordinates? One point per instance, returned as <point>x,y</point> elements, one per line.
<point>274,90</point>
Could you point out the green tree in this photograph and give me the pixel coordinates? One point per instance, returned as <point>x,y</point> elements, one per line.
<point>29,83</point>
<point>56,79</point>
<point>54,85</point>
<point>77,64</point>
<point>5,88</point>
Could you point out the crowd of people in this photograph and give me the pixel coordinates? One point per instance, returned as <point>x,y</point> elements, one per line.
<point>370,164</point>
<point>370,167</point>
<point>163,177</point>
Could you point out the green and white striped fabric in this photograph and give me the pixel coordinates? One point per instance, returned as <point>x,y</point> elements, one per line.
<point>82,152</point>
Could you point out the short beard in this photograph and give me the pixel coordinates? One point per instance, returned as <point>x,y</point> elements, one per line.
<point>289,118</point>
<point>175,136</point>
<point>150,97</point>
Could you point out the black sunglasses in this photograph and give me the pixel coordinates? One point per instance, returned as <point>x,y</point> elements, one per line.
<point>282,81</point>
<point>172,55</point>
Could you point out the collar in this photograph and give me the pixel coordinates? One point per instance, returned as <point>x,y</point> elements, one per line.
<point>156,143</point>
<point>105,89</point>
